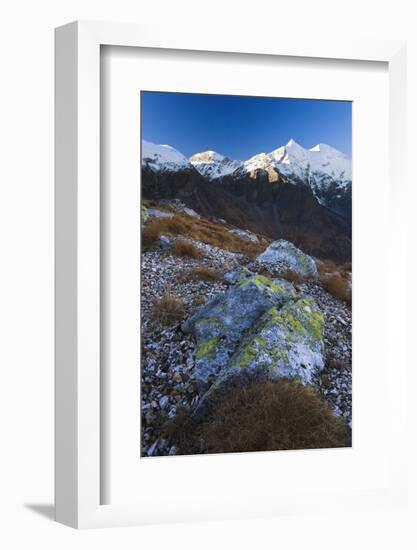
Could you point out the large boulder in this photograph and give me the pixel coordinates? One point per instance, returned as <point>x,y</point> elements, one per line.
<point>287,255</point>
<point>221,324</point>
<point>285,343</point>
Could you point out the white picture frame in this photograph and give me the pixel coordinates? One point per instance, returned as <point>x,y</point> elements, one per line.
<point>78,406</point>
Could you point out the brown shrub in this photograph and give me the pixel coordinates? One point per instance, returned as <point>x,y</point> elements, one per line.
<point>150,233</point>
<point>181,431</point>
<point>326,266</point>
<point>336,279</point>
<point>266,416</point>
<point>184,248</point>
<point>339,285</point>
<point>162,226</point>
<point>167,309</point>
<point>347,266</point>
<point>200,274</point>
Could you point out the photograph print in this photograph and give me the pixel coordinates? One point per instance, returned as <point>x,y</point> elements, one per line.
<point>246,274</point>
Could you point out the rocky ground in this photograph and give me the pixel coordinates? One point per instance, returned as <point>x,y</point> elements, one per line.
<point>167,362</point>
<point>168,354</point>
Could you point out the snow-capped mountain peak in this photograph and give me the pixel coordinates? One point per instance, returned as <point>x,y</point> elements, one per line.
<point>206,156</point>
<point>293,144</point>
<point>162,157</point>
<point>322,168</point>
<point>264,162</point>
<point>258,162</point>
<point>296,162</point>
<point>214,165</point>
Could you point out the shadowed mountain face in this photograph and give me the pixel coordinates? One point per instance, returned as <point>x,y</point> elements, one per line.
<point>325,171</point>
<point>277,209</point>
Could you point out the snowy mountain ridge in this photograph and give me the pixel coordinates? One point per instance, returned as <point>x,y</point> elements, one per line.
<point>318,165</point>
<point>291,160</point>
<point>322,168</point>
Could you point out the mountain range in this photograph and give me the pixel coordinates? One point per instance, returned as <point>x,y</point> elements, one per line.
<point>300,194</point>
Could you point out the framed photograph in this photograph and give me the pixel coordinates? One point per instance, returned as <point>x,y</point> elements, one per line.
<point>223,208</point>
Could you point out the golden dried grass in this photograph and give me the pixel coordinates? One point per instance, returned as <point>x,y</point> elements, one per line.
<point>202,230</point>
<point>336,280</point>
<point>184,248</point>
<point>264,416</point>
<point>200,274</point>
<point>168,309</point>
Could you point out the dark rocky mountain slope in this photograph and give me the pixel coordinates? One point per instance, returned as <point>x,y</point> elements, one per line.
<point>277,209</point>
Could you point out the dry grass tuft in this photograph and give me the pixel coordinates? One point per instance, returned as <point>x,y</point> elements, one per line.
<point>265,416</point>
<point>200,274</point>
<point>150,234</point>
<point>339,286</point>
<point>168,309</point>
<point>337,280</point>
<point>161,226</point>
<point>184,248</point>
<point>293,277</point>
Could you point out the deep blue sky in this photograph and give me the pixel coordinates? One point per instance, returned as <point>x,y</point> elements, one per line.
<point>240,127</point>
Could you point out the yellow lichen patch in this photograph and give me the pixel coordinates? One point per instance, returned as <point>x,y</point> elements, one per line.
<point>261,282</point>
<point>207,348</point>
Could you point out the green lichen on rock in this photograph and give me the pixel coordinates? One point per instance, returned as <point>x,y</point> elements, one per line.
<point>207,348</point>
<point>260,282</point>
<point>286,342</point>
<point>249,353</point>
<point>302,317</point>
<point>279,287</point>
<point>288,254</point>
<point>228,316</point>
<point>311,317</point>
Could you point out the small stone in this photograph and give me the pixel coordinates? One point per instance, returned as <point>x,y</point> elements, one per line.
<point>163,402</point>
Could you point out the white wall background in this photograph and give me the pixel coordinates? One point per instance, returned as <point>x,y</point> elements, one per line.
<point>26,272</point>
